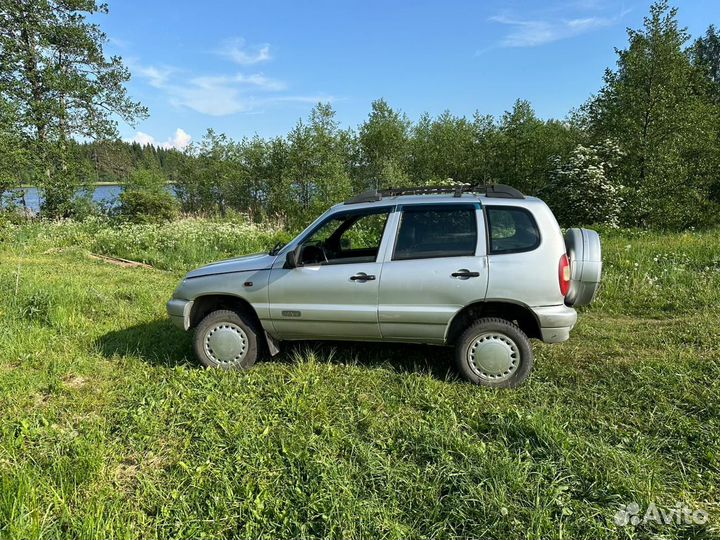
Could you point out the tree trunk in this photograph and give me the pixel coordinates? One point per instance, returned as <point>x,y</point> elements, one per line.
<point>30,66</point>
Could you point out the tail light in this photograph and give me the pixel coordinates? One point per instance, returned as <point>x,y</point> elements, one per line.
<point>564,274</point>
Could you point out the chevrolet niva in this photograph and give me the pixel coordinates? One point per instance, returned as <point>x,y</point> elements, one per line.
<point>482,269</point>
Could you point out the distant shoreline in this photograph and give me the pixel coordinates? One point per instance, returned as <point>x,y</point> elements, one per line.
<point>26,186</point>
<point>91,184</point>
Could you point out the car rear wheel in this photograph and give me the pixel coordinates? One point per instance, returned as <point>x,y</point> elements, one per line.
<point>494,352</point>
<point>225,340</point>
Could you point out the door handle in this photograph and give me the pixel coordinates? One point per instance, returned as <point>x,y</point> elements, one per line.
<point>362,276</point>
<point>464,274</point>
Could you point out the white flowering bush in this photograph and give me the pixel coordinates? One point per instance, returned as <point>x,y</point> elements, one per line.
<point>583,191</point>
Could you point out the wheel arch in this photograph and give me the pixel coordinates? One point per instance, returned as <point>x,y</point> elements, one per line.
<point>207,303</point>
<point>510,310</point>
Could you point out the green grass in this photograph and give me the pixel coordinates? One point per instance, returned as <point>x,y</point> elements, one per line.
<point>108,428</point>
<point>178,245</point>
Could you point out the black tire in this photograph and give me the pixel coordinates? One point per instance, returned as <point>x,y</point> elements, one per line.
<point>240,330</point>
<point>496,334</point>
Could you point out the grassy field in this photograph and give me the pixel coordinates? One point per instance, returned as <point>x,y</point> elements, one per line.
<point>108,428</point>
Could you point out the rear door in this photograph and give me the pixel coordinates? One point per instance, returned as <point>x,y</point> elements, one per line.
<point>435,267</point>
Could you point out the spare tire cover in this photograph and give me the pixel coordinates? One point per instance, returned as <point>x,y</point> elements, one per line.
<point>584,252</point>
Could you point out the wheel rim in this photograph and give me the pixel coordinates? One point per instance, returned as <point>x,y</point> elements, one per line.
<point>226,343</point>
<point>493,356</point>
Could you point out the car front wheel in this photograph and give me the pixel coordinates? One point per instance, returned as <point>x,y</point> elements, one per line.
<point>494,352</point>
<point>224,339</point>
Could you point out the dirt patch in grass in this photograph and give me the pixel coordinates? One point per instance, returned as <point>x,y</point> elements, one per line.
<point>74,381</point>
<point>42,399</point>
<point>125,473</point>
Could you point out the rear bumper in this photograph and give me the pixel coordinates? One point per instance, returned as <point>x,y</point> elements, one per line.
<point>179,312</point>
<point>555,322</point>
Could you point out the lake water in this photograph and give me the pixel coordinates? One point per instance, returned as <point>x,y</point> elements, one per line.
<point>101,193</point>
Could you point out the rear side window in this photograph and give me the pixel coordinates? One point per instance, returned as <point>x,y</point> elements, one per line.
<point>511,230</point>
<point>436,231</point>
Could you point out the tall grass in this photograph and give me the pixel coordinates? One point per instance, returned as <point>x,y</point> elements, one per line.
<point>176,245</point>
<point>654,275</point>
<point>108,428</point>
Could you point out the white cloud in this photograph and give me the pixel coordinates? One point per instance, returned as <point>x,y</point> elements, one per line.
<point>214,95</point>
<point>217,97</point>
<point>239,80</point>
<point>178,141</point>
<point>236,50</point>
<point>157,77</point>
<point>211,99</point>
<point>224,94</point>
<point>535,32</point>
<point>143,139</point>
<point>261,81</point>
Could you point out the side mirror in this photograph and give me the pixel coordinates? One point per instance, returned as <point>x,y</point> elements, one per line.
<point>292,259</point>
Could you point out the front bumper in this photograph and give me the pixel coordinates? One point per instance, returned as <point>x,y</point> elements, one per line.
<point>555,322</point>
<point>179,312</point>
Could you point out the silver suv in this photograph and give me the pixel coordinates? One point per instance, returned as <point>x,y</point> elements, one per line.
<point>482,269</point>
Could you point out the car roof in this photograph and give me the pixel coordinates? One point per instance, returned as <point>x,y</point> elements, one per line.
<point>442,198</point>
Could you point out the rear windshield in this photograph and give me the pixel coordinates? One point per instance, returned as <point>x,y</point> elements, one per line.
<point>512,229</point>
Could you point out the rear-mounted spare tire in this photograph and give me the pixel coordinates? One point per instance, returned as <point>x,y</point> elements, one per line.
<point>585,254</point>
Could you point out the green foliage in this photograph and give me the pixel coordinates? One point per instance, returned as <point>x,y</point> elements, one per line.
<point>13,157</point>
<point>317,164</point>
<point>656,106</point>
<point>109,429</point>
<point>291,179</point>
<point>442,149</point>
<point>525,147</point>
<point>220,174</point>
<point>317,167</point>
<point>383,147</point>
<point>146,198</point>
<point>37,306</point>
<point>54,71</point>
<point>705,53</point>
<point>146,180</point>
<point>115,160</point>
<point>661,104</point>
<point>62,195</point>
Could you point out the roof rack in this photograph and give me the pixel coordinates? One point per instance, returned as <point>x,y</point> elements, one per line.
<point>497,191</point>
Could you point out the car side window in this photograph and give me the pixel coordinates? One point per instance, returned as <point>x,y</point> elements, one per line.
<point>346,238</point>
<point>365,233</point>
<point>511,229</point>
<point>436,231</point>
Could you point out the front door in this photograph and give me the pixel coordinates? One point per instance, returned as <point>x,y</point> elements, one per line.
<point>437,266</point>
<point>333,293</point>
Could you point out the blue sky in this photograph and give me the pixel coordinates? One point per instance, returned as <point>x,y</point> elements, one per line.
<point>256,67</point>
